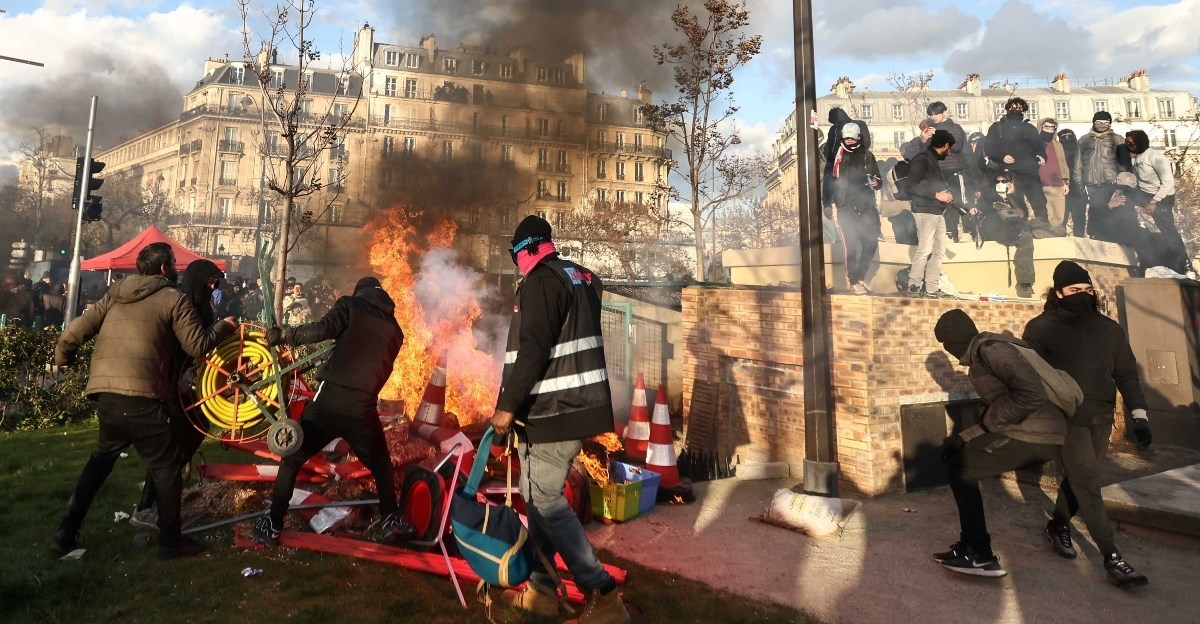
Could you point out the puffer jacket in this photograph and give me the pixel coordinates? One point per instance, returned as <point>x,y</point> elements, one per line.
<point>1017,403</point>
<point>139,326</point>
<point>1098,157</point>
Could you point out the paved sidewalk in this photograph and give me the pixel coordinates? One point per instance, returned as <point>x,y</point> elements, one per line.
<point>879,569</point>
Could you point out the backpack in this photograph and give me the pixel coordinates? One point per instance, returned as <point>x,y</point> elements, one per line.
<point>1061,389</point>
<point>897,180</point>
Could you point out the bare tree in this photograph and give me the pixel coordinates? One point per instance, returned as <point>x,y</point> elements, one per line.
<point>754,222</point>
<point>130,206</point>
<point>629,234</point>
<point>296,132</point>
<point>44,162</point>
<point>912,92</point>
<point>709,51</point>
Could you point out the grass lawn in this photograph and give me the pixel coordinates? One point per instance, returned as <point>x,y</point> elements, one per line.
<point>117,581</point>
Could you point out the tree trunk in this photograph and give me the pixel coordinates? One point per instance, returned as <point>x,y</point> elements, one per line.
<point>282,258</point>
<point>698,228</point>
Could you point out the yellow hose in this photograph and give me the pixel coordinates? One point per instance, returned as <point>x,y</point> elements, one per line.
<point>222,402</point>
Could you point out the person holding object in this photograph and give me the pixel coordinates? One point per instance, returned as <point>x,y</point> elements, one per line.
<point>1023,425</point>
<point>366,340</point>
<point>850,186</point>
<point>1072,335</point>
<point>554,388</point>
<point>931,197</point>
<point>139,325</point>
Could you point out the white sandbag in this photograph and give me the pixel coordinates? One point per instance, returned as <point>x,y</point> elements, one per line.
<point>812,515</point>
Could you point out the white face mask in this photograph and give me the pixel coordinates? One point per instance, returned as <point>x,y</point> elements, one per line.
<point>1002,188</point>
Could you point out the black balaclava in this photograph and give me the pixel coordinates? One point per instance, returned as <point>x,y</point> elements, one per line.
<point>1141,142</point>
<point>1073,307</point>
<point>1069,142</point>
<point>365,283</point>
<point>955,330</point>
<point>195,287</point>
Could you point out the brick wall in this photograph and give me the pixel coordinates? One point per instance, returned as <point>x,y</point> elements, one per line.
<point>747,340</point>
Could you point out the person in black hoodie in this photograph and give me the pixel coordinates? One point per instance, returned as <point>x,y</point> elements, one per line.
<point>850,186</point>
<point>1072,335</point>
<point>1014,145</point>
<point>1023,425</point>
<point>953,167</point>
<point>1077,202</point>
<point>367,339</point>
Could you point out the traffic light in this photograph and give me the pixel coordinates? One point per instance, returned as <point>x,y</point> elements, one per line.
<point>92,207</point>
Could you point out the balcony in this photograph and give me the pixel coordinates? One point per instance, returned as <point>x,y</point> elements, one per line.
<point>543,166</point>
<point>185,149</point>
<point>234,147</point>
<point>562,168</point>
<point>659,153</point>
<point>196,145</point>
<point>339,154</point>
<point>227,182</point>
<point>549,196</point>
<point>182,184</point>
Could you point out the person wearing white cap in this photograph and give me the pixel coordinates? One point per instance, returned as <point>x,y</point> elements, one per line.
<point>850,185</point>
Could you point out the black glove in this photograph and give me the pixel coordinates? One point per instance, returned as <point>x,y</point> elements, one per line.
<point>1141,432</point>
<point>274,336</point>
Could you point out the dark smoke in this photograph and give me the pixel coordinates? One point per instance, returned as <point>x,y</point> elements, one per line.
<point>135,96</point>
<point>616,36</point>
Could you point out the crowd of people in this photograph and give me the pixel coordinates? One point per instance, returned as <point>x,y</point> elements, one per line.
<point>1017,182</point>
<point>29,304</point>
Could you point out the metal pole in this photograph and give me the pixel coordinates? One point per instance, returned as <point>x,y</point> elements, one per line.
<point>73,280</point>
<point>820,452</point>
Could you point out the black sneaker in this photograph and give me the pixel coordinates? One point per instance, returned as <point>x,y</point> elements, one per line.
<point>1060,539</point>
<point>185,547</point>
<point>975,564</point>
<point>956,551</point>
<point>1122,574</point>
<point>939,294</point>
<point>266,533</point>
<point>64,541</point>
<point>914,292</point>
<point>393,529</point>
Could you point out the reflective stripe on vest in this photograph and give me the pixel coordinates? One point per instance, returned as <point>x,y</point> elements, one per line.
<point>567,382</point>
<point>566,348</point>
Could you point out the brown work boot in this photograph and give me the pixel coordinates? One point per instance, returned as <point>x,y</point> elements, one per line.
<point>603,609</point>
<point>533,598</point>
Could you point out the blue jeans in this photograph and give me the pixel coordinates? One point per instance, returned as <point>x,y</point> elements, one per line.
<point>553,525</point>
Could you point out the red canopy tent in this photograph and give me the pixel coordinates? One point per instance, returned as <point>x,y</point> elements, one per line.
<point>124,258</point>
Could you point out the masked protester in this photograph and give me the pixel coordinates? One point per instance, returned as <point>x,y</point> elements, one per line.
<point>1055,175</point>
<point>1020,427</point>
<point>1015,146</point>
<point>1154,176</point>
<point>554,389</point>
<point>1076,198</point>
<point>953,166</point>
<point>850,186</point>
<point>1002,222</point>
<point>1098,169</point>
<point>1072,335</point>
<point>931,197</point>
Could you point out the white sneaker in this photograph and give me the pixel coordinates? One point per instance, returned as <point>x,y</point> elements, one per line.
<point>145,518</point>
<point>866,287</point>
<point>858,289</point>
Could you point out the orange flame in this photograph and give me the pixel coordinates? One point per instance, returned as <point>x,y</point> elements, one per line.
<point>472,375</point>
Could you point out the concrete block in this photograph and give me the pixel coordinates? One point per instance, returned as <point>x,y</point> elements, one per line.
<point>767,470</point>
<point>1168,500</point>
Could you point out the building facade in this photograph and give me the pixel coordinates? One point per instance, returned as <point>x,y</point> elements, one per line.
<point>524,131</point>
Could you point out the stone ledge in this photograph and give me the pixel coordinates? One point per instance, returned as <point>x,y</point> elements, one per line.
<point>1169,500</point>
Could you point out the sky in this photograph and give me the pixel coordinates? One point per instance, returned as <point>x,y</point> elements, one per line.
<point>140,56</point>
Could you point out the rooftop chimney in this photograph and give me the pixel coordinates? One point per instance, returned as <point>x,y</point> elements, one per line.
<point>973,85</point>
<point>519,56</point>
<point>576,63</point>
<point>1139,80</point>
<point>643,93</point>
<point>429,43</point>
<point>843,87</point>
<point>1061,83</point>
<point>364,49</point>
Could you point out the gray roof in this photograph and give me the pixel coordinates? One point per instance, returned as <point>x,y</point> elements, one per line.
<point>664,295</point>
<point>324,81</point>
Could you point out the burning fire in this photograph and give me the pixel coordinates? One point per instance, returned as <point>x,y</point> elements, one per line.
<point>442,321</point>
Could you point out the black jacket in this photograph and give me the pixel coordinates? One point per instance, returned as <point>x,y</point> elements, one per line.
<point>925,182</point>
<point>1013,136</point>
<point>366,337</point>
<point>954,162</point>
<point>850,188</point>
<point>1093,349</point>
<point>1017,403</point>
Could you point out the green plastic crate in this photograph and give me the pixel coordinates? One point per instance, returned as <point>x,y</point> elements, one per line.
<point>622,501</point>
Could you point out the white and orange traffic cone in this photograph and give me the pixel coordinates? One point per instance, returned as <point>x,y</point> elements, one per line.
<point>324,519</point>
<point>444,437</point>
<point>660,452</point>
<point>637,432</point>
<point>433,403</point>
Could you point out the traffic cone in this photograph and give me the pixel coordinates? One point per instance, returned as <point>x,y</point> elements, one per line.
<point>433,403</point>
<point>637,432</point>
<point>660,452</point>
<point>445,437</point>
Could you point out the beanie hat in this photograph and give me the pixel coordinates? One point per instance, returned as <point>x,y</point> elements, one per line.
<point>367,282</point>
<point>1125,179</point>
<point>1102,116</point>
<point>532,228</point>
<point>1068,273</point>
<point>46,274</point>
<point>851,131</point>
<point>955,327</point>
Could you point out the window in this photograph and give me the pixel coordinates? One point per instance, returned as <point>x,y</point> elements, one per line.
<point>410,145</point>
<point>228,173</point>
<point>276,78</point>
<point>1166,108</point>
<point>601,169</point>
<point>868,111</point>
<point>543,74</point>
<point>475,121</point>
<point>506,153</point>
<point>962,110</point>
<point>1099,105</point>
<point>477,68</point>
<point>410,87</point>
<point>601,137</point>
<point>998,109</point>
<point>1032,113</point>
<point>564,165</point>
<point>237,74</point>
<point>1133,109</point>
<point>335,179</point>
<point>389,145</point>
<point>601,112</point>
<point>300,177</point>
<point>506,71</point>
<point>447,150</point>
<point>601,196</point>
<point>503,123</point>
<point>897,111</point>
<point>560,76</point>
<point>336,213</point>
<point>620,170</point>
<point>639,198</point>
<point>543,188</point>
<point>639,116</point>
<point>224,207</point>
<point>1062,109</point>
<point>543,127</point>
<point>543,159</point>
<point>620,197</point>
<point>1169,139</point>
<point>412,61</point>
<point>392,57</point>
<point>389,85</point>
<point>899,137</point>
<point>450,65</point>
<point>620,140</point>
<point>231,133</point>
<point>562,191</point>
<point>639,172</point>
<point>234,101</point>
